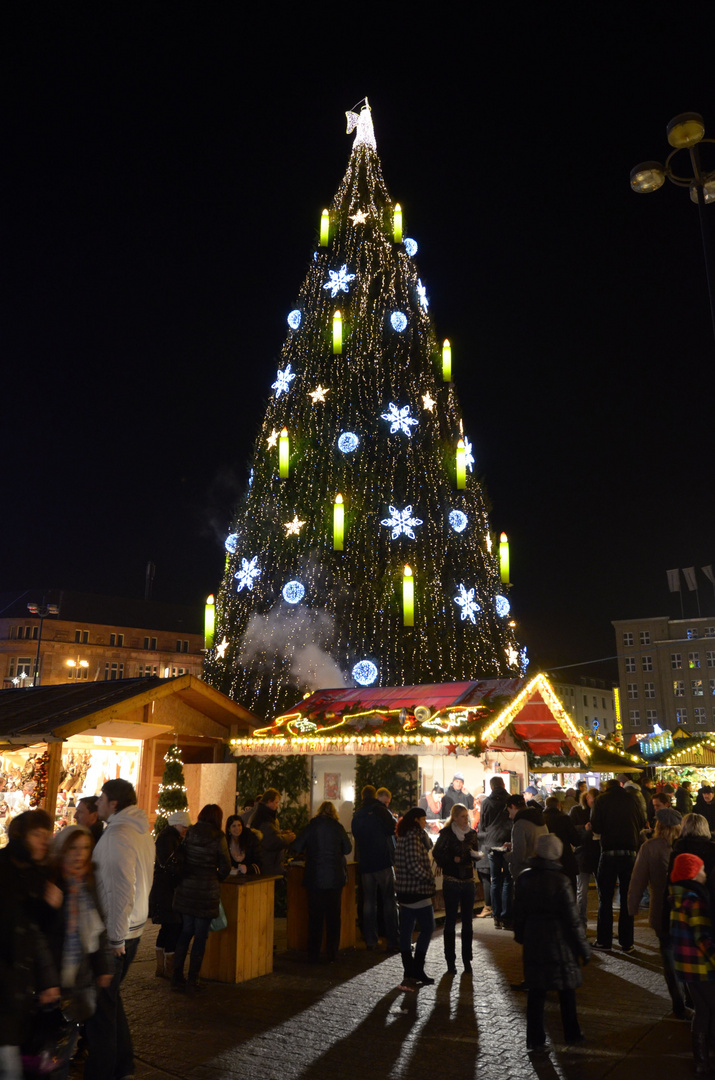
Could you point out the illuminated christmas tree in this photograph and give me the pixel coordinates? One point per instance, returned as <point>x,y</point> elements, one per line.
<point>361,551</point>
<point>172,790</point>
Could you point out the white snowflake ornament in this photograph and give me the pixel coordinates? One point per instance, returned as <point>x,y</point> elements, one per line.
<point>468,604</point>
<point>468,455</point>
<point>422,294</point>
<point>400,419</point>
<point>339,281</point>
<point>247,573</point>
<point>401,521</point>
<point>283,380</point>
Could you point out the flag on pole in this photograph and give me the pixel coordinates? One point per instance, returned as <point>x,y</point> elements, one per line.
<point>708,571</point>
<point>673,580</point>
<point>689,575</point>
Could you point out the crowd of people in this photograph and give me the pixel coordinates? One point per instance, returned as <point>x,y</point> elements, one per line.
<point>79,902</point>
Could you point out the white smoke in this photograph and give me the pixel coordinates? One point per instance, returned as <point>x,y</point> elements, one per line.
<point>299,638</point>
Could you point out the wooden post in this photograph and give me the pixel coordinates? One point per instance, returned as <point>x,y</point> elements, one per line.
<point>54,767</point>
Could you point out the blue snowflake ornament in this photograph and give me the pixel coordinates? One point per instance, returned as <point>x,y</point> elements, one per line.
<point>339,280</point>
<point>468,604</point>
<point>283,381</point>
<point>401,521</point>
<point>400,419</point>
<point>247,573</point>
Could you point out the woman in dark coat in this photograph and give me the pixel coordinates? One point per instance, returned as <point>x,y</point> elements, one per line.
<point>244,847</point>
<point>561,825</point>
<point>325,844</point>
<point>455,853</point>
<point>548,925</point>
<point>167,872</point>
<point>198,894</point>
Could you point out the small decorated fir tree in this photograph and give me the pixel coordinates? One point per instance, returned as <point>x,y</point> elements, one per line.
<point>172,790</point>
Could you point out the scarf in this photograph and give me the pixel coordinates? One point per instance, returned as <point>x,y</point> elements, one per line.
<point>459,833</point>
<point>83,928</point>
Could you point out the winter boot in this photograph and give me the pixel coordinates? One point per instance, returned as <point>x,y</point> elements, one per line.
<point>160,971</point>
<point>419,969</point>
<point>168,965</point>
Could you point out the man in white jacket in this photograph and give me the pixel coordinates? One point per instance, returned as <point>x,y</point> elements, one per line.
<point>124,866</point>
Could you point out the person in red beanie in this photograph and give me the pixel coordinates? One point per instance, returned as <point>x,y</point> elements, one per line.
<point>694,948</point>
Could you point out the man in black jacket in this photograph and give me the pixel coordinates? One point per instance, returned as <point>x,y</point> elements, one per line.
<point>494,831</point>
<point>618,819</point>
<point>373,828</point>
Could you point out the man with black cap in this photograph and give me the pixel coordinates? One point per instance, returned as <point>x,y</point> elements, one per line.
<point>456,794</point>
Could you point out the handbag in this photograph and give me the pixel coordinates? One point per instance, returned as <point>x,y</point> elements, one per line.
<point>51,1044</point>
<point>220,922</point>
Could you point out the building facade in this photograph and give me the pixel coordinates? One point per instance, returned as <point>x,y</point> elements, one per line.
<point>93,638</point>
<point>666,674</point>
<point>589,702</point>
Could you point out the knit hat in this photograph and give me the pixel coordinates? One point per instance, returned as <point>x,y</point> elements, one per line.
<point>685,867</point>
<point>180,817</point>
<point>548,846</point>
<point>458,776</point>
<point>706,789</point>
<point>669,818</point>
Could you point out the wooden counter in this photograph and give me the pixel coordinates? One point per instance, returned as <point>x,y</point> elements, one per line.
<point>298,909</point>
<point>244,950</point>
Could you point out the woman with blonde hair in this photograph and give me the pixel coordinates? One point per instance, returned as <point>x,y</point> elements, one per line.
<point>455,853</point>
<point>651,871</point>
<point>325,844</point>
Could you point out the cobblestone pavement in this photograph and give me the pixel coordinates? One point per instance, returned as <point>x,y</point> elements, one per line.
<point>349,1021</point>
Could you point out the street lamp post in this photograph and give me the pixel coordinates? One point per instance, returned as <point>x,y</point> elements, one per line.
<point>684,132</point>
<point>43,610</point>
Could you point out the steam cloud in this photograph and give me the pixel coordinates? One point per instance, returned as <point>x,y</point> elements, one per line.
<point>299,639</point>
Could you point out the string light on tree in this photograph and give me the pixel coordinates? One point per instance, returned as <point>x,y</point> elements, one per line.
<point>399,419</point>
<point>248,571</point>
<point>467,603</point>
<point>172,790</point>
<point>401,521</point>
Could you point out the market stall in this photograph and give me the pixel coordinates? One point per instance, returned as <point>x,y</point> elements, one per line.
<point>58,743</point>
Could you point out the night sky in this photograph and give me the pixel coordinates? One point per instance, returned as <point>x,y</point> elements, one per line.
<point>164,169</point>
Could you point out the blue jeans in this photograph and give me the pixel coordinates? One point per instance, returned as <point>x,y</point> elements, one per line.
<point>193,926</point>
<point>501,886</point>
<point>458,895</point>
<point>612,869</point>
<point>424,917</point>
<point>109,1042</point>
<point>382,882</point>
